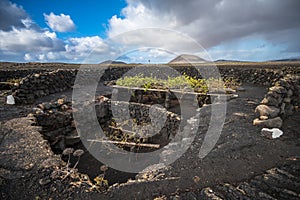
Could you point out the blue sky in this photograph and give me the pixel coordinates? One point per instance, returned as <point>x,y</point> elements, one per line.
<point>90,16</point>
<point>142,30</point>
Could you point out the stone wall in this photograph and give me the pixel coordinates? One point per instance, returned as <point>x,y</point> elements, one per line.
<point>6,85</point>
<point>142,117</point>
<point>282,99</point>
<point>56,121</point>
<point>6,75</point>
<point>42,84</point>
<point>58,127</point>
<point>255,75</point>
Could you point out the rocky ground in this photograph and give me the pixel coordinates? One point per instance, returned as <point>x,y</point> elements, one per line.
<point>243,164</point>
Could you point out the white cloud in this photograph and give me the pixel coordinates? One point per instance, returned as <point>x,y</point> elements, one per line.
<point>75,50</point>
<point>80,48</point>
<point>86,44</point>
<point>21,38</point>
<point>27,57</point>
<point>224,27</point>
<point>138,16</point>
<point>212,23</point>
<point>60,23</point>
<point>41,57</point>
<point>29,40</point>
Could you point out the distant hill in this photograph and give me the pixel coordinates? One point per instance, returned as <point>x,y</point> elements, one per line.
<point>286,60</point>
<point>187,58</point>
<point>223,60</point>
<point>113,62</point>
<point>279,60</point>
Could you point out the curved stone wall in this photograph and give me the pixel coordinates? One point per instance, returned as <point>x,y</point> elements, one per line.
<point>44,83</point>
<point>281,100</point>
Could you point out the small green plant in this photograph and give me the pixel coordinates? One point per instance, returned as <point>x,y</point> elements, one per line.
<point>179,82</point>
<point>100,181</point>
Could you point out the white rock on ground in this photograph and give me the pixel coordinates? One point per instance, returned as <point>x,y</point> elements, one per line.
<point>271,133</point>
<point>10,100</point>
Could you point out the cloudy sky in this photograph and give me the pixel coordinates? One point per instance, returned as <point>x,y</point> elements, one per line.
<point>143,30</point>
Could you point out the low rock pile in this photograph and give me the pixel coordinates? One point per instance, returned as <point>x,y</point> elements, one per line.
<point>57,124</point>
<point>281,101</point>
<point>42,84</point>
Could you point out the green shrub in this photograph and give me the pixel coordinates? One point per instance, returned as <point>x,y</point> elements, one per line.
<point>179,82</point>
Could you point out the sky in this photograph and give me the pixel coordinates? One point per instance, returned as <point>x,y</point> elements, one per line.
<point>139,31</point>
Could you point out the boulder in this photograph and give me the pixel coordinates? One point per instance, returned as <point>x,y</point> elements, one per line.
<point>269,111</point>
<point>269,123</point>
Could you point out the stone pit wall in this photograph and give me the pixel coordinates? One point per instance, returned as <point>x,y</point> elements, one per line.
<point>58,127</point>
<point>134,116</point>
<point>142,113</point>
<point>43,83</point>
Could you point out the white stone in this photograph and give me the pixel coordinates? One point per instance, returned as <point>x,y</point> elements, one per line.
<point>10,100</point>
<point>274,132</point>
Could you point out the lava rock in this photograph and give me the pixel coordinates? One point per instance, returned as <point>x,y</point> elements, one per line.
<point>269,123</point>
<point>269,111</point>
<point>271,100</point>
<point>278,89</point>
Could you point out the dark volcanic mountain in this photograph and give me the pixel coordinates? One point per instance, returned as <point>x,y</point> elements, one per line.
<point>113,62</point>
<point>187,58</point>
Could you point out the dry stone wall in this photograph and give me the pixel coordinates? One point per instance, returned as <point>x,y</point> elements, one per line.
<point>42,83</point>
<point>260,76</point>
<point>6,75</point>
<point>58,127</point>
<point>282,99</point>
